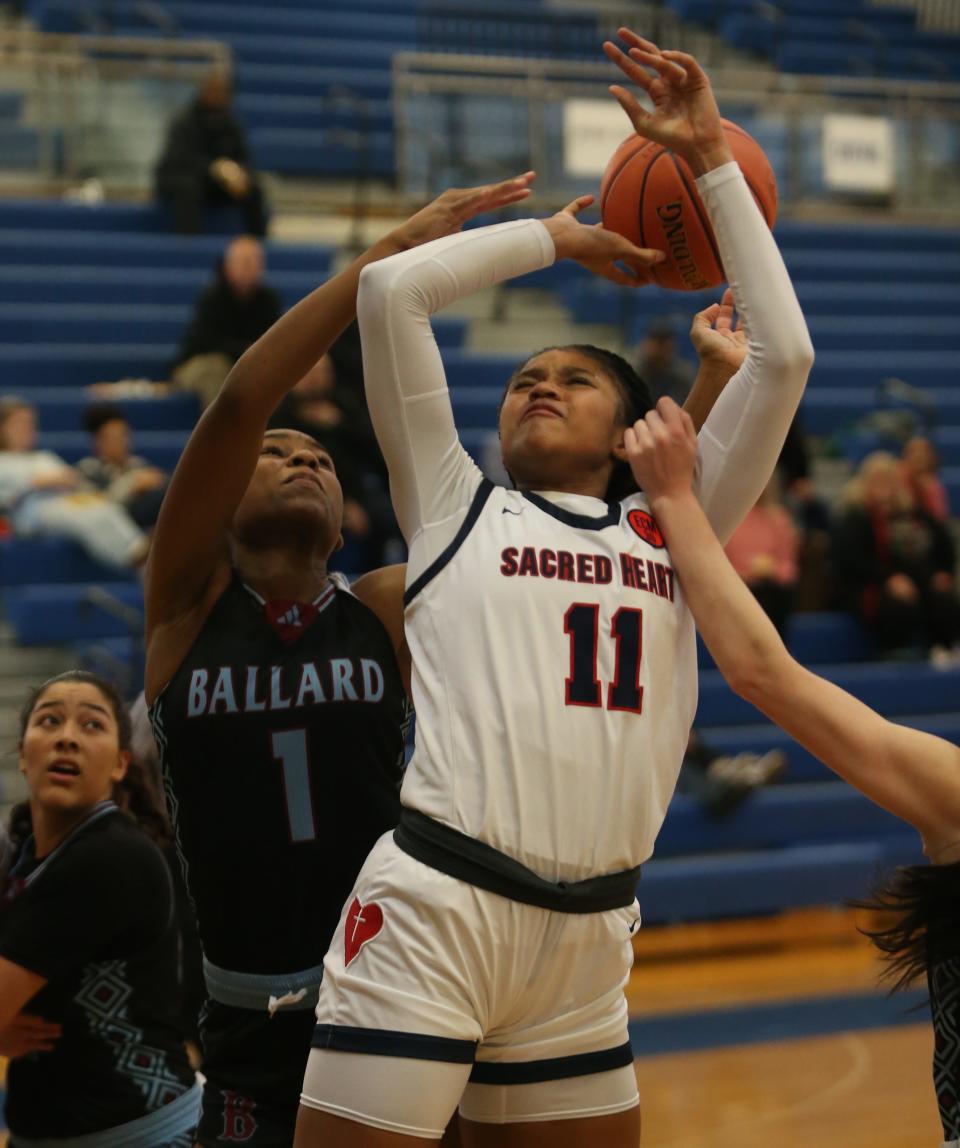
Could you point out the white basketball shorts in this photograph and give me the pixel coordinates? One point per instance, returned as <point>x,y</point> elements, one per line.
<point>437,994</point>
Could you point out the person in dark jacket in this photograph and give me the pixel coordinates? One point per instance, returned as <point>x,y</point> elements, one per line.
<point>896,563</point>
<point>230,315</point>
<point>206,162</point>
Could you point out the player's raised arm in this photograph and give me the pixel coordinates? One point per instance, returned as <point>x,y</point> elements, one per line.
<point>189,544</point>
<point>744,433</point>
<point>431,476</point>
<point>914,775</point>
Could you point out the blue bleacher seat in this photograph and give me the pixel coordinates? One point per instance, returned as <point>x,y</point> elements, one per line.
<point>43,615</point>
<point>38,561</point>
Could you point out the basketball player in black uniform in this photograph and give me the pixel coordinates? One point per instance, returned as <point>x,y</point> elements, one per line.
<point>278,701</point>
<point>89,1013</point>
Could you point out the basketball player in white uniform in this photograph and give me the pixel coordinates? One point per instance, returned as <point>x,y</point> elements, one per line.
<point>481,958</point>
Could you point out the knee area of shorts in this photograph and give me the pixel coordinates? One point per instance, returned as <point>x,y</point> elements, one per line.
<point>568,1098</point>
<point>409,1097</point>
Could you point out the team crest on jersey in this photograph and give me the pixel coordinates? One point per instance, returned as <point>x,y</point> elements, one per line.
<point>363,924</point>
<point>645,525</point>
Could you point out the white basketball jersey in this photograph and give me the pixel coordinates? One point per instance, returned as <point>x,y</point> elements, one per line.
<point>554,679</point>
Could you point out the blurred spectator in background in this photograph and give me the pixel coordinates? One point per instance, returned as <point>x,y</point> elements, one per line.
<point>229,316</point>
<point>124,477</point>
<point>812,515</point>
<point>919,468</point>
<point>336,417</point>
<point>720,782</point>
<point>206,162</point>
<point>895,563</point>
<point>764,551</point>
<point>41,494</point>
<point>659,365</point>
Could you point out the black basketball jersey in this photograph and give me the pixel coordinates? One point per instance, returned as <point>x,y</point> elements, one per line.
<point>282,751</point>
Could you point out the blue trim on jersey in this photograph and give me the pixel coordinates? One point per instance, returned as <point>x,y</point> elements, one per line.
<point>578,521</point>
<point>554,1068</point>
<point>484,490</point>
<point>387,1042</point>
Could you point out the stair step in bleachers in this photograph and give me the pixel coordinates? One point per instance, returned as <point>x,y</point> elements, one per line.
<point>140,286</point>
<point>161,448</point>
<point>744,884</point>
<point>49,561</point>
<point>126,323</point>
<point>762,736</point>
<point>48,614</point>
<point>892,688</point>
<point>62,408</point>
<point>775,818</point>
<point>20,245</point>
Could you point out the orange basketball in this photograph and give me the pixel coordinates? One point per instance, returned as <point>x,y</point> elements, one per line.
<point>649,195</point>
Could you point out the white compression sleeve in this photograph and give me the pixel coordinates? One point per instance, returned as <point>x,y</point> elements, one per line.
<point>432,479</point>
<point>744,433</point>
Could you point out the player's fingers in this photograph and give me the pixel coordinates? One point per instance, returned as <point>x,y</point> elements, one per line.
<point>688,63</point>
<point>641,120</point>
<point>666,68</point>
<point>688,428</point>
<point>633,71</point>
<point>636,41</point>
<point>577,205</point>
<point>707,317</point>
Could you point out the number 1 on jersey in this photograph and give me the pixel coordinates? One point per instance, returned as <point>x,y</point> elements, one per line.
<point>582,624</point>
<point>290,749</point>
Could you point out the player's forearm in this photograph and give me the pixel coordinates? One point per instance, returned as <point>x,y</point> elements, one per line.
<point>745,432</point>
<point>404,377</point>
<point>707,388</point>
<point>740,637</point>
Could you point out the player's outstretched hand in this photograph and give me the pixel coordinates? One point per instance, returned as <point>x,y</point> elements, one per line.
<point>603,252</point>
<point>685,117</point>
<point>451,210</point>
<point>717,337</point>
<point>662,451</point>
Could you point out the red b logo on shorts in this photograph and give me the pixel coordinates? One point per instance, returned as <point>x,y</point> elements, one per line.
<point>645,525</point>
<point>238,1122</point>
<point>363,924</point>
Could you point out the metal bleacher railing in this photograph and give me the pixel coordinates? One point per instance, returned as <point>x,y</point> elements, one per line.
<point>95,106</point>
<point>457,116</point>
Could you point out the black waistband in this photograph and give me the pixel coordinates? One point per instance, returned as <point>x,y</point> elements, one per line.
<point>479,864</point>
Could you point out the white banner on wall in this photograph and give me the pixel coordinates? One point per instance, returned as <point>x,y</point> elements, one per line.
<point>858,153</point>
<point>592,130</point>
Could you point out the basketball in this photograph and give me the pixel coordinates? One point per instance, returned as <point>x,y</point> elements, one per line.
<point>648,194</point>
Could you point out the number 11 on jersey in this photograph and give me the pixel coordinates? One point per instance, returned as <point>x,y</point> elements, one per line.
<point>582,625</point>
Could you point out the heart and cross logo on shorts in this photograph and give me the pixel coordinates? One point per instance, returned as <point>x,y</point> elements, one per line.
<point>362,925</point>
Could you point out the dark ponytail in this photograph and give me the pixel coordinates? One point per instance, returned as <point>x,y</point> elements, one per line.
<point>920,924</point>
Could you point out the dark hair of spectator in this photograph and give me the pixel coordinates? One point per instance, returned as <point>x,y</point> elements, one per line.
<point>136,793</point>
<point>98,414</point>
<point>635,401</point>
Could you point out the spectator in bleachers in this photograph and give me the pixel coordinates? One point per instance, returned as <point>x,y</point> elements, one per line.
<point>764,551</point>
<point>88,945</point>
<point>230,315</point>
<point>126,478</point>
<point>337,417</point>
<point>41,494</point>
<point>896,563</point>
<point>919,466</point>
<point>659,365</point>
<point>720,782</point>
<point>206,162</point>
